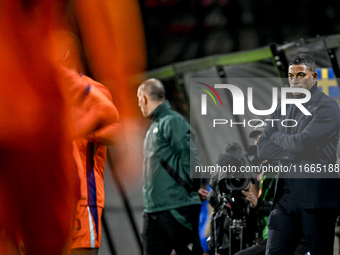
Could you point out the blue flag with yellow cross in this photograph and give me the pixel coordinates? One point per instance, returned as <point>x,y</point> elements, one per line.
<point>327,82</point>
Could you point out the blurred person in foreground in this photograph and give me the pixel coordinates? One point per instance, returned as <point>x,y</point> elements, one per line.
<point>171,197</point>
<point>89,147</point>
<point>306,201</point>
<point>38,183</point>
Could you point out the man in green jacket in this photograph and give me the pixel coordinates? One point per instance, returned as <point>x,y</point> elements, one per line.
<point>171,197</point>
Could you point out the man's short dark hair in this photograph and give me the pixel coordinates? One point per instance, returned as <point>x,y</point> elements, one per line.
<point>155,89</point>
<point>304,59</point>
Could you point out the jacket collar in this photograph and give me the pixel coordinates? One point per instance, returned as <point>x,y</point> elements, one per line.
<point>315,97</point>
<point>160,110</point>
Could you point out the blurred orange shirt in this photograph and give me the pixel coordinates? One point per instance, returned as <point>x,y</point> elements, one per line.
<point>90,158</point>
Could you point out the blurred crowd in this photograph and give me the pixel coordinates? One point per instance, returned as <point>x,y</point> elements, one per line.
<point>179,30</point>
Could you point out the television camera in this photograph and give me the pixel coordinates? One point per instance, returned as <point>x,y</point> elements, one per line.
<point>234,221</point>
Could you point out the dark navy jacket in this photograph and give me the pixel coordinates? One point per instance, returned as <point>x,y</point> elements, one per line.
<point>307,150</point>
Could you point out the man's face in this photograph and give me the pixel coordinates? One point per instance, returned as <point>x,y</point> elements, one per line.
<point>300,76</point>
<point>142,102</point>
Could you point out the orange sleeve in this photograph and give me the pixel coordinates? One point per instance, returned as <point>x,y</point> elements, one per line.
<point>91,102</point>
<point>105,135</point>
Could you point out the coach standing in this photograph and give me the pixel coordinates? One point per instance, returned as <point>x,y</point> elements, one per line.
<point>170,195</point>
<point>306,204</point>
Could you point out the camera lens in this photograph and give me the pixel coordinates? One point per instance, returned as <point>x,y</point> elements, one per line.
<point>238,181</point>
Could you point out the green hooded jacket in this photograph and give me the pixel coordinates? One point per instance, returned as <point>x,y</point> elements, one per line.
<point>169,154</point>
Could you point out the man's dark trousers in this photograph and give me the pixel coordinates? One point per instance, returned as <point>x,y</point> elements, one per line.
<point>162,232</point>
<point>288,224</point>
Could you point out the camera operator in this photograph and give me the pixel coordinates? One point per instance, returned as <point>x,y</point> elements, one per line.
<point>233,224</point>
<point>262,202</point>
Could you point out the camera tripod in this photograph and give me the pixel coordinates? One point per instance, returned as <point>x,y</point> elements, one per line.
<point>233,226</point>
<point>236,227</point>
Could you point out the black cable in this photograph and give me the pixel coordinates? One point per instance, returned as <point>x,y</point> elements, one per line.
<point>125,200</point>
<point>108,234</point>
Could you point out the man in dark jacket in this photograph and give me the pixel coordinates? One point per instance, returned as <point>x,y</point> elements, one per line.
<point>263,203</point>
<point>171,199</point>
<point>307,194</point>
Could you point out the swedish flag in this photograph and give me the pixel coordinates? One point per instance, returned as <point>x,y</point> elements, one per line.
<point>327,82</point>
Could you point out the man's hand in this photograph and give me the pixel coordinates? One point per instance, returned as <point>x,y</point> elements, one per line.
<point>251,198</point>
<point>203,194</point>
